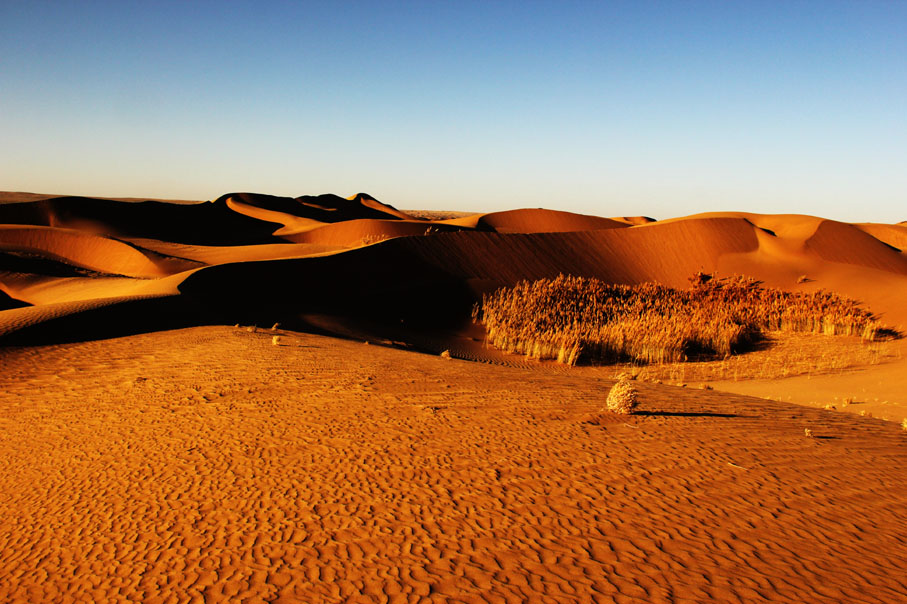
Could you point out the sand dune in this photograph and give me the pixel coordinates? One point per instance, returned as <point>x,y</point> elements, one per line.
<point>534,221</point>
<point>634,220</point>
<point>7,301</point>
<point>85,250</point>
<point>207,223</point>
<point>433,280</point>
<point>220,254</point>
<point>320,208</point>
<point>298,256</point>
<point>22,196</point>
<point>894,235</point>
<point>847,244</point>
<point>543,221</point>
<point>153,453</point>
<point>352,233</point>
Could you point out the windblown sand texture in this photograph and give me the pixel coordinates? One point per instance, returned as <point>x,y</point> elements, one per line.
<point>154,452</point>
<point>207,462</point>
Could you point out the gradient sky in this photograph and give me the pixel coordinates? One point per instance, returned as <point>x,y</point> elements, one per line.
<point>609,108</point>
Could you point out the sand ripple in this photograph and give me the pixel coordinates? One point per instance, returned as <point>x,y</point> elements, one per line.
<point>206,464</point>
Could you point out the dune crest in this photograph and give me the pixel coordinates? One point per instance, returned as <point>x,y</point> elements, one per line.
<point>300,254</point>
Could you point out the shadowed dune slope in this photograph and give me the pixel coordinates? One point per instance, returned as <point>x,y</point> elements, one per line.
<point>321,208</point>
<point>232,219</point>
<point>543,221</point>
<point>207,223</point>
<point>845,243</point>
<point>634,220</point>
<point>220,254</point>
<point>270,255</point>
<point>85,250</point>
<point>669,254</point>
<point>537,220</point>
<point>894,235</point>
<point>87,319</point>
<point>7,302</point>
<point>362,231</point>
<point>436,278</point>
<point>23,196</point>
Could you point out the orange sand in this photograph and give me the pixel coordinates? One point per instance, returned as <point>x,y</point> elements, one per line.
<point>153,454</point>
<point>209,463</point>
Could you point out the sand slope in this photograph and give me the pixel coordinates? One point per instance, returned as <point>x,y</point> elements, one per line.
<point>894,235</point>
<point>259,258</point>
<point>85,250</point>
<point>543,221</point>
<point>207,463</point>
<point>207,223</point>
<point>151,453</point>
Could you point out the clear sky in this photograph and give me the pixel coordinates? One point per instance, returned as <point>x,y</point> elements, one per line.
<point>609,108</point>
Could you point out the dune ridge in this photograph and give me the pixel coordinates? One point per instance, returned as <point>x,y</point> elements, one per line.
<point>293,251</point>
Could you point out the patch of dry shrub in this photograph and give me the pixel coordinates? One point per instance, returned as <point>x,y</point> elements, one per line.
<point>571,317</point>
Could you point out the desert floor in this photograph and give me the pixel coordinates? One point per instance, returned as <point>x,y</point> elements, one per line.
<point>207,464</point>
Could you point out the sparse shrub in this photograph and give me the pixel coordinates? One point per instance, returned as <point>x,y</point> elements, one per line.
<point>622,398</point>
<point>571,317</point>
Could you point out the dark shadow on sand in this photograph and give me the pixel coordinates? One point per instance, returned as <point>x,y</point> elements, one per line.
<point>684,414</point>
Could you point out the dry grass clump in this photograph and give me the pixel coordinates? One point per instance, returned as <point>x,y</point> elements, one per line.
<point>568,317</point>
<point>622,398</point>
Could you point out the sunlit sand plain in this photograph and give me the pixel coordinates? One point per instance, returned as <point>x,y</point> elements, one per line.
<point>159,444</point>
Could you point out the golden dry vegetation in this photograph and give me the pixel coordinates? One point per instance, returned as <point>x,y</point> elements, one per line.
<point>569,318</point>
<point>779,355</point>
<point>622,398</point>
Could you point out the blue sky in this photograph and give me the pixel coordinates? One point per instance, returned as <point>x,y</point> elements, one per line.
<point>609,108</point>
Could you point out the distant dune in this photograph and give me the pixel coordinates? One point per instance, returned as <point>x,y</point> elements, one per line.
<point>75,268</point>
<point>246,256</point>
